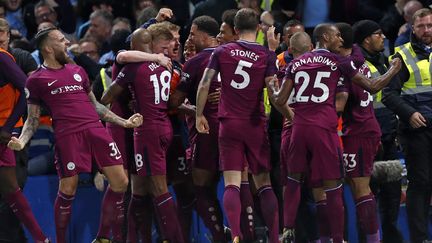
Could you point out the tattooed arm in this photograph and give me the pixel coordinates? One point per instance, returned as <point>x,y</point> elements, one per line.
<point>108,116</point>
<point>30,127</point>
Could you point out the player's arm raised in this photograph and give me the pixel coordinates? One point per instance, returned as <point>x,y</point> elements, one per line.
<point>376,84</point>
<point>201,99</point>
<point>30,127</point>
<point>108,116</point>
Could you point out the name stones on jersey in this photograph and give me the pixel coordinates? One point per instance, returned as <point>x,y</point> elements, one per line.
<point>249,54</point>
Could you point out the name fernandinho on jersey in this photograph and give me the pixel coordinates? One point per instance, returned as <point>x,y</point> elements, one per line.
<point>249,54</point>
<point>315,59</point>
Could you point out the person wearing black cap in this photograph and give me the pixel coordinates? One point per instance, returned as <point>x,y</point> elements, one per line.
<point>409,96</point>
<point>368,35</point>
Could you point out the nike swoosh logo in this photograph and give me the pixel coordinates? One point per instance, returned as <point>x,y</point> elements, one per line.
<point>118,157</point>
<point>51,83</point>
<point>61,207</point>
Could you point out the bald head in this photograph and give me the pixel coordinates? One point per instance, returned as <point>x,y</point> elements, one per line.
<point>320,30</point>
<point>300,43</point>
<point>410,8</point>
<point>141,40</point>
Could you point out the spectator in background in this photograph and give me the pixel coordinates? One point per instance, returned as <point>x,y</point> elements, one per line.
<point>392,20</point>
<point>44,12</point>
<point>2,10</point>
<point>290,28</point>
<point>101,22</point>
<point>90,48</point>
<point>15,17</point>
<point>119,24</point>
<point>64,18</point>
<point>93,5</point>
<point>140,5</point>
<point>405,30</point>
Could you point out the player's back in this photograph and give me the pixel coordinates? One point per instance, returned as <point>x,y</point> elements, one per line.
<point>150,88</point>
<point>243,67</point>
<point>315,75</point>
<point>359,116</point>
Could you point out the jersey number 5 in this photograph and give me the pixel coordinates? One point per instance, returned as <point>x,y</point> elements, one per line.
<point>161,92</point>
<point>246,78</point>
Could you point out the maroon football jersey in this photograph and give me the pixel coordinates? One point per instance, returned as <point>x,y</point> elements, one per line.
<point>359,116</point>
<point>150,88</point>
<point>64,92</point>
<point>316,75</point>
<point>243,67</point>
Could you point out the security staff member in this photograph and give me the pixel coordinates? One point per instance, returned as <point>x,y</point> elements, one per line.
<point>369,36</point>
<point>409,95</point>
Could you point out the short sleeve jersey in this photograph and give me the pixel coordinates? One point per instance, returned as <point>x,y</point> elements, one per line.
<point>243,67</point>
<point>149,84</point>
<point>193,71</point>
<point>359,116</point>
<point>64,92</point>
<point>316,75</point>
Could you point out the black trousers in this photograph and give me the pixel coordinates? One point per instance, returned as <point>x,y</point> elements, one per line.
<point>418,156</point>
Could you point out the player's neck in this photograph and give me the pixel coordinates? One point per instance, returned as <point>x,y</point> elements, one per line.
<point>345,51</point>
<point>248,36</point>
<point>52,63</point>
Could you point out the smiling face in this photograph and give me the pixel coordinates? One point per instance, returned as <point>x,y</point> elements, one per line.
<point>226,34</point>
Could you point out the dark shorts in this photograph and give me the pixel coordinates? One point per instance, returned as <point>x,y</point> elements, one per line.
<point>151,146</point>
<point>74,153</point>
<point>123,137</point>
<point>315,151</point>
<point>7,156</point>
<point>285,141</point>
<point>359,154</point>
<point>244,139</point>
<point>178,162</point>
<point>205,150</point>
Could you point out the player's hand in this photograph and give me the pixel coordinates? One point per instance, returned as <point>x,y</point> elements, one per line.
<point>396,64</point>
<point>213,98</point>
<point>164,14</point>
<point>417,120</point>
<point>164,61</point>
<point>202,125</point>
<point>99,181</point>
<point>272,40</point>
<point>274,84</point>
<point>135,120</point>
<point>15,144</point>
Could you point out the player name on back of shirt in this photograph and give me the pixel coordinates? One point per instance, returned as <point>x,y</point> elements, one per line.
<point>245,53</point>
<point>315,59</point>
